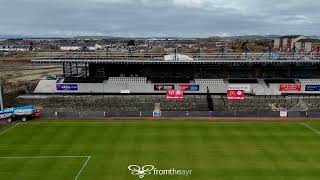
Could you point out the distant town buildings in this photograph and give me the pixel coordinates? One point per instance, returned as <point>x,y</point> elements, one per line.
<point>236,44</point>
<point>296,43</point>
<point>78,48</point>
<point>286,43</point>
<point>20,48</point>
<point>70,48</point>
<point>308,45</point>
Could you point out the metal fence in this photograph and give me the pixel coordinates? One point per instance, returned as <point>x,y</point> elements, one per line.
<point>177,114</point>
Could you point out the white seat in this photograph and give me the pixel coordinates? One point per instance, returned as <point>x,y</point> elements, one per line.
<point>209,81</point>
<point>310,81</point>
<point>123,80</point>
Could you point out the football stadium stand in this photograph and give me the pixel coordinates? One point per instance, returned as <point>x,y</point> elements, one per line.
<point>139,82</point>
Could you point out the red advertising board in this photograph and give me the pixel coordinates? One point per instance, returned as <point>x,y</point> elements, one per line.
<point>175,94</point>
<point>235,94</point>
<point>189,87</point>
<point>290,87</point>
<point>184,86</point>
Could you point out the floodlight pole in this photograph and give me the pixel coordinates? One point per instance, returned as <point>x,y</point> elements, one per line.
<point>1,98</point>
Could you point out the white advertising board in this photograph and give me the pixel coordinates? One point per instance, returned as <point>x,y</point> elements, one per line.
<point>283,113</point>
<point>245,87</point>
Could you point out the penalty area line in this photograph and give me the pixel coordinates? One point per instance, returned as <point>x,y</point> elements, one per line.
<point>309,127</point>
<point>40,157</point>
<point>3,132</point>
<point>84,165</point>
<point>47,157</point>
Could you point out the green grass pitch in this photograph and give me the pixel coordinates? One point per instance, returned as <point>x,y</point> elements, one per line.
<point>103,150</point>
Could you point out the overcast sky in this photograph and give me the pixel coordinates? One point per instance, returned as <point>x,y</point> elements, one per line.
<point>146,18</point>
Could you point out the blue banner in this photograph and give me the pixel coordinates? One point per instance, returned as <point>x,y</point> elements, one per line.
<point>156,113</point>
<point>67,87</point>
<point>5,116</point>
<point>194,88</point>
<point>275,56</point>
<point>5,111</point>
<point>189,87</point>
<point>312,88</point>
<point>11,110</point>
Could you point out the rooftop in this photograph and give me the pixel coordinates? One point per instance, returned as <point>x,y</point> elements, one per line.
<point>291,36</point>
<point>310,40</point>
<point>161,58</point>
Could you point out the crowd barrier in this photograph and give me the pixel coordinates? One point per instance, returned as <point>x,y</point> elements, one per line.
<point>47,114</point>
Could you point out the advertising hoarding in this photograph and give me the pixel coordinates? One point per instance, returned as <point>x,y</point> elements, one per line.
<point>290,87</point>
<point>162,87</point>
<point>312,88</point>
<point>67,87</point>
<point>175,94</point>
<point>245,87</point>
<point>235,95</point>
<point>189,87</point>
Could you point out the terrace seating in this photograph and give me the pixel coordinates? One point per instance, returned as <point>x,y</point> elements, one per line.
<point>209,81</point>
<point>134,103</point>
<point>170,77</point>
<point>279,81</point>
<point>83,80</point>
<point>120,80</point>
<point>243,81</point>
<point>118,103</point>
<point>310,81</point>
<point>170,80</point>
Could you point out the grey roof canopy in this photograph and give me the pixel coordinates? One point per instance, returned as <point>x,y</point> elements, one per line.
<point>157,58</point>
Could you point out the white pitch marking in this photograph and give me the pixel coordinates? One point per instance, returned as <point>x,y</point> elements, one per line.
<point>2,128</point>
<point>200,121</point>
<point>9,129</point>
<point>84,165</point>
<point>41,157</point>
<point>45,157</point>
<point>310,128</point>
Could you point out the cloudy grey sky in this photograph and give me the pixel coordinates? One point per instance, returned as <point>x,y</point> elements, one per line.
<point>145,18</point>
